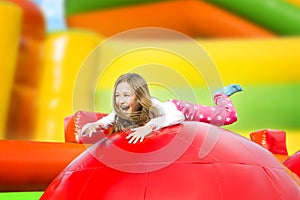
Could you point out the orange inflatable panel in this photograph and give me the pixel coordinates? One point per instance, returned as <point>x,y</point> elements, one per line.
<point>193,18</point>
<point>31,166</point>
<point>187,161</point>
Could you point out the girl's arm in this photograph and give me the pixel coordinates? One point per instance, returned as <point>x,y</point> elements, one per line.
<point>104,122</point>
<point>169,115</point>
<point>107,121</point>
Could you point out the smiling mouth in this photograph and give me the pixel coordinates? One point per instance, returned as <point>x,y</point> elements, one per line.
<point>124,109</point>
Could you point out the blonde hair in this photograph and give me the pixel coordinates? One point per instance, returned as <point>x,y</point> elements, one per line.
<point>145,109</point>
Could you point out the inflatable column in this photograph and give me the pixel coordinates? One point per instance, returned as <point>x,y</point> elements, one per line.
<point>22,109</point>
<point>64,53</point>
<point>10,23</point>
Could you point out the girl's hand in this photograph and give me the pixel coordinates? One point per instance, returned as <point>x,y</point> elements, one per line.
<point>139,134</point>
<point>89,129</point>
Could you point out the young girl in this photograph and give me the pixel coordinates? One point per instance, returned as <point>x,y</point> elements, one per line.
<point>137,111</point>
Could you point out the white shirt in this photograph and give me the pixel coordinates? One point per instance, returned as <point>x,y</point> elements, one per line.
<point>168,115</point>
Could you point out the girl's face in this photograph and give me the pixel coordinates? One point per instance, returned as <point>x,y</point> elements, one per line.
<point>125,98</point>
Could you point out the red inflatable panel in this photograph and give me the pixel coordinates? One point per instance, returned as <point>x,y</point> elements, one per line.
<point>273,140</point>
<point>75,122</point>
<point>169,166</point>
<point>293,163</point>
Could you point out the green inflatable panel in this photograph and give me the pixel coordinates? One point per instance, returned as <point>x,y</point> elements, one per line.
<point>80,6</point>
<point>278,16</point>
<point>274,106</point>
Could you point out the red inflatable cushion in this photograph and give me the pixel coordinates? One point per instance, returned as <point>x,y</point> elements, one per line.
<point>74,123</point>
<point>232,167</point>
<point>293,163</point>
<point>273,140</point>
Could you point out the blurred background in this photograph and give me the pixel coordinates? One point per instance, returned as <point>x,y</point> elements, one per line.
<point>53,12</point>
<point>44,43</point>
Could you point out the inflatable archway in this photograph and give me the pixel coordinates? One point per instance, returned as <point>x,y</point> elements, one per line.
<point>197,19</point>
<point>267,14</point>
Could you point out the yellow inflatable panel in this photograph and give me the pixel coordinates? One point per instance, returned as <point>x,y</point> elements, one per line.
<point>243,61</point>
<point>10,23</point>
<point>256,61</point>
<point>64,52</point>
<point>171,74</point>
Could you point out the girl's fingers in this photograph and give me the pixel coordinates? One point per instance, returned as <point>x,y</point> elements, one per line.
<point>134,139</point>
<point>137,135</point>
<point>130,141</point>
<point>142,139</point>
<point>130,135</point>
<point>91,133</point>
<point>88,132</point>
<point>137,139</point>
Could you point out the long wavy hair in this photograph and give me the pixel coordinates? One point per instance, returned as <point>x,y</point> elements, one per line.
<point>145,110</point>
